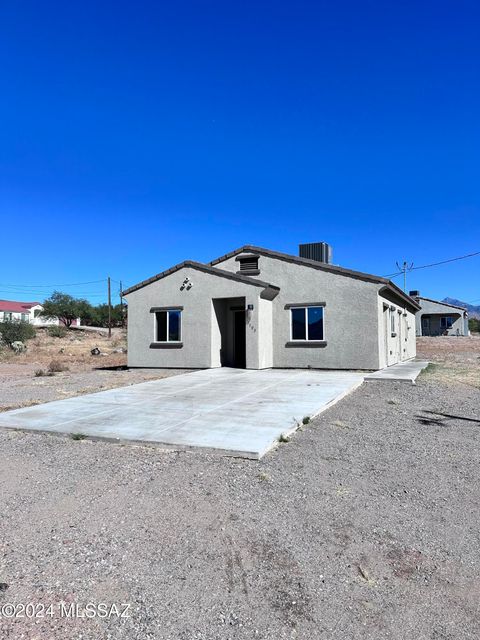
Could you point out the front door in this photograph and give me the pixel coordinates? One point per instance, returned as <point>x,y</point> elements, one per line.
<point>239,340</point>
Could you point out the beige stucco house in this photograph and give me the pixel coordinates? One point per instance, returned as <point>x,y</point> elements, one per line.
<point>256,308</point>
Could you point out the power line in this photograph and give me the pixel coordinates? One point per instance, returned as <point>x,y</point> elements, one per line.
<point>44,291</point>
<point>40,294</point>
<point>434,264</point>
<point>49,286</point>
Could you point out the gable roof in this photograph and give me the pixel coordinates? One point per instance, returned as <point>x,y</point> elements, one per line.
<point>17,307</point>
<point>322,266</point>
<point>445,304</point>
<point>270,290</point>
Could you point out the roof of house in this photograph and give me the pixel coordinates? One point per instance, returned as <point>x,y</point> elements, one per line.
<point>445,304</point>
<point>17,307</point>
<point>323,266</point>
<point>270,289</point>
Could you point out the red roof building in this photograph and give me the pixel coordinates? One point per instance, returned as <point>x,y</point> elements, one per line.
<point>12,306</point>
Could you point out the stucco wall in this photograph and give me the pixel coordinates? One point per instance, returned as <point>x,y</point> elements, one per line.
<point>265,327</point>
<point>401,345</point>
<point>200,330</point>
<point>350,315</point>
<point>436,310</point>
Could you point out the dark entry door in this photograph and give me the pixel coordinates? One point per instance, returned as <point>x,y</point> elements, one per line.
<point>239,340</point>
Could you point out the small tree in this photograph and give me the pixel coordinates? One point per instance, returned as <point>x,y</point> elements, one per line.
<point>474,325</point>
<point>65,307</point>
<point>98,315</point>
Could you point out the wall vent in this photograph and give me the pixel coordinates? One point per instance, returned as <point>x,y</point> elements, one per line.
<point>249,264</point>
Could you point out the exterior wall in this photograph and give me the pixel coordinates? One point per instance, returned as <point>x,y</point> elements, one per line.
<point>350,317</point>
<point>27,316</point>
<point>437,310</point>
<point>401,344</point>
<point>265,329</point>
<point>14,315</point>
<point>41,321</point>
<point>201,321</point>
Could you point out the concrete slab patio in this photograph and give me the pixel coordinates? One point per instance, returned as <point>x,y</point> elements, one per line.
<point>242,412</point>
<point>402,371</point>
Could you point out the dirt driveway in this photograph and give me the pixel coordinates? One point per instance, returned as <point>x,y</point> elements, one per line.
<point>25,379</point>
<point>365,525</point>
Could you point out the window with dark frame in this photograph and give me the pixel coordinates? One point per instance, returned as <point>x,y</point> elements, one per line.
<point>168,325</point>
<point>392,320</point>
<point>446,322</point>
<point>307,323</point>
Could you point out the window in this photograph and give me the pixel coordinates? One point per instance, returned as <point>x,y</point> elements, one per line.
<point>307,323</point>
<point>7,317</point>
<point>392,320</point>
<point>168,325</point>
<point>446,322</point>
<point>25,317</point>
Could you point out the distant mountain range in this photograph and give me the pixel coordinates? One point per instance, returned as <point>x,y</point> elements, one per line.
<point>473,310</point>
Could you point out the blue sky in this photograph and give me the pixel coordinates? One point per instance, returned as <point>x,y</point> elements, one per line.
<point>136,135</point>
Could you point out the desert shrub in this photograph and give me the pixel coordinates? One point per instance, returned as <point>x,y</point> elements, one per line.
<point>40,373</point>
<point>57,331</point>
<point>16,330</point>
<point>56,366</point>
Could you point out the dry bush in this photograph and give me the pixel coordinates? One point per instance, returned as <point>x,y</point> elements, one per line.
<point>56,366</point>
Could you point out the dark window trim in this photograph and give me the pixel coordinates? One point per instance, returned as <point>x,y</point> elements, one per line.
<point>155,309</point>
<point>306,343</point>
<point>166,345</point>
<point>250,272</point>
<point>305,304</point>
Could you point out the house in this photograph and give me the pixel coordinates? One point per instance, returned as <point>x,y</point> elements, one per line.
<point>437,318</point>
<point>11,310</point>
<point>25,311</point>
<point>256,308</point>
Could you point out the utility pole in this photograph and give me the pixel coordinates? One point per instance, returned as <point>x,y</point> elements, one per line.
<point>109,309</point>
<point>121,304</point>
<point>404,268</point>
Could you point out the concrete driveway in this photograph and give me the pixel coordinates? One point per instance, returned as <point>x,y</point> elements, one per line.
<point>242,412</point>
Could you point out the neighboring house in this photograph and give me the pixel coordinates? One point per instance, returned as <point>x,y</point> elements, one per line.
<point>439,318</point>
<point>11,310</point>
<point>256,308</point>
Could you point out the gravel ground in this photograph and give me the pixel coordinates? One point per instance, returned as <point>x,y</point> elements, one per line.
<point>19,387</point>
<point>364,525</point>
<point>457,359</point>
